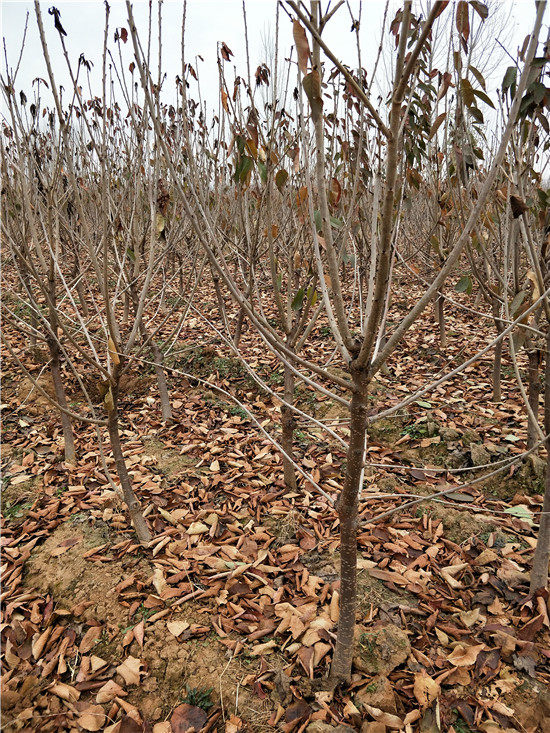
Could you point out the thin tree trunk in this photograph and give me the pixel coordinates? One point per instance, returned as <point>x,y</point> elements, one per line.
<point>158,358</point>
<point>347,512</point>
<point>68,436</point>
<point>439,307</point>
<point>80,288</point>
<point>287,423</point>
<point>497,369</point>
<point>541,558</point>
<point>55,354</point>
<point>131,500</point>
<point>126,311</point>
<point>239,327</point>
<point>158,362</point>
<point>533,392</point>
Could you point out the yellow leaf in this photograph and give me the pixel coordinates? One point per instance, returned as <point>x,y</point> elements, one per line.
<point>160,223</point>
<point>113,355</point>
<point>108,401</point>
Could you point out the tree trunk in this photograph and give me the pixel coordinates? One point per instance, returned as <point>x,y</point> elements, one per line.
<point>239,328</point>
<point>55,354</point>
<point>533,391</point>
<point>287,423</point>
<point>158,358</point>
<point>158,362</point>
<point>541,558</point>
<point>68,436</point>
<point>439,306</point>
<point>347,512</point>
<point>131,500</point>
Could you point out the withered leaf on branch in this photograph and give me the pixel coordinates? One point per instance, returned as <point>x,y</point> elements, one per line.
<point>312,88</point>
<point>302,46</point>
<point>518,206</point>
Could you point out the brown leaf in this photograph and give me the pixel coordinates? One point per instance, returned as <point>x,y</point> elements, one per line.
<point>312,87</point>
<point>518,206</point>
<point>425,688</point>
<point>109,691</point>
<point>464,656</point>
<point>65,692</point>
<point>463,19</point>
<point>92,718</point>
<point>130,670</point>
<point>89,640</point>
<point>297,711</point>
<point>186,717</point>
<point>302,45</point>
<point>139,633</point>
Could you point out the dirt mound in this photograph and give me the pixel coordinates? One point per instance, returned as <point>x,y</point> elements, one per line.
<point>59,568</point>
<point>182,671</point>
<point>169,461</point>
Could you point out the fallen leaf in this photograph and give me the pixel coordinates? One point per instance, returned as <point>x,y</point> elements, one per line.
<point>130,670</point>
<point>425,688</point>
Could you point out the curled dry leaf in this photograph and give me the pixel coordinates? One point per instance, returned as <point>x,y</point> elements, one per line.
<point>130,670</point>
<point>302,46</point>
<point>109,691</point>
<point>177,627</point>
<point>464,656</point>
<point>65,692</point>
<point>92,718</point>
<point>425,689</point>
<point>391,721</point>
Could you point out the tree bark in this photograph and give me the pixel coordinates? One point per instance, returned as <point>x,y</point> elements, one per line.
<point>533,392</point>
<point>347,512</point>
<point>158,358</point>
<point>440,317</point>
<point>131,500</point>
<point>541,558</point>
<point>497,368</point>
<point>287,424</point>
<point>68,435</point>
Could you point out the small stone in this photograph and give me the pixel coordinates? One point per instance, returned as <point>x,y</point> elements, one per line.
<point>380,650</point>
<point>378,694</point>
<point>536,465</point>
<point>449,434</point>
<point>480,456</point>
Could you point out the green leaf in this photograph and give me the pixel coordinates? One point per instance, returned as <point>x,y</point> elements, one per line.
<point>263,171</point>
<point>318,220</point>
<point>510,79</point>
<point>515,304</point>
<point>336,223</point>
<point>298,300</point>
<point>281,178</point>
<point>522,512</point>
<point>484,97</point>
<point>423,404</point>
<point>312,295</point>
<point>464,285</point>
<point>131,254</point>
<point>312,87</point>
